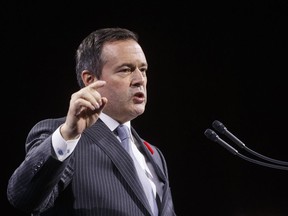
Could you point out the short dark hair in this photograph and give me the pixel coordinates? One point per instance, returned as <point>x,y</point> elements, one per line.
<point>88,54</point>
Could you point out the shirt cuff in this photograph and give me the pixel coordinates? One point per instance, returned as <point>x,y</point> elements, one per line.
<point>63,148</point>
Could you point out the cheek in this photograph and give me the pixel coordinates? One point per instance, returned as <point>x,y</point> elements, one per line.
<point>116,88</point>
<point>110,90</point>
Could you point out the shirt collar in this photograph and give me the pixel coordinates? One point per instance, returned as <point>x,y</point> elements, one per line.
<point>111,123</point>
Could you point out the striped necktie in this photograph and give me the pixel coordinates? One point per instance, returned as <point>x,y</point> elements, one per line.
<point>124,135</point>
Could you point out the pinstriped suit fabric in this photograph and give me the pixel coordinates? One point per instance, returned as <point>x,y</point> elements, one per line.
<point>97,179</point>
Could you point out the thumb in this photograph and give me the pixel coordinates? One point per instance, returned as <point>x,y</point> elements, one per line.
<point>104,102</point>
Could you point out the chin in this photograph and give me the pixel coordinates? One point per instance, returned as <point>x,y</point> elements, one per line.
<point>139,110</point>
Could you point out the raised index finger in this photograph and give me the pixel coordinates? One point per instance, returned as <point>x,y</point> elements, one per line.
<point>98,84</point>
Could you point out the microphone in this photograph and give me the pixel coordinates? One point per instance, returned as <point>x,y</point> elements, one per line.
<point>267,161</point>
<point>222,129</point>
<point>210,134</point>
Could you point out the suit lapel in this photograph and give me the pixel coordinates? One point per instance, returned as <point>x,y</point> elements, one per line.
<point>152,158</point>
<point>155,159</point>
<point>108,142</point>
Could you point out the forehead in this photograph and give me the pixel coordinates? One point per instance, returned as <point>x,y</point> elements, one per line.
<point>125,49</point>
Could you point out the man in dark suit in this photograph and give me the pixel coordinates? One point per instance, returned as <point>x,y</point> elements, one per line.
<point>76,165</point>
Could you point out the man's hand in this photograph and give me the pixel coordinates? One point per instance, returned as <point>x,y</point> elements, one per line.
<point>84,109</point>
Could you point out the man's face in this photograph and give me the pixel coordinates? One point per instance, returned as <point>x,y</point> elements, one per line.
<point>124,71</point>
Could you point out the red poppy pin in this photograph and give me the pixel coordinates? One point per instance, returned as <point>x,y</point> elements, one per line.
<point>149,147</point>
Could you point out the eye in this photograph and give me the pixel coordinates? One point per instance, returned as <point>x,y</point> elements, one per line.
<point>126,69</point>
<point>143,70</point>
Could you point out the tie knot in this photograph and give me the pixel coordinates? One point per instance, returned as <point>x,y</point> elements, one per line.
<point>123,132</point>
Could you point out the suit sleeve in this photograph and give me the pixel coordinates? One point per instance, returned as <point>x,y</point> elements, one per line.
<point>36,183</point>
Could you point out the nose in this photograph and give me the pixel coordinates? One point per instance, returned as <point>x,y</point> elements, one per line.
<point>139,77</point>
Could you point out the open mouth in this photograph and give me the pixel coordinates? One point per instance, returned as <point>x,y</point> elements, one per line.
<point>139,97</point>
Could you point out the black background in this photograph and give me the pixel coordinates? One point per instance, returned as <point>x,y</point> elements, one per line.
<point>224,60</point>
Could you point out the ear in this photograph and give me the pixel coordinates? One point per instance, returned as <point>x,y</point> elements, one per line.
<point>88,77</point>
